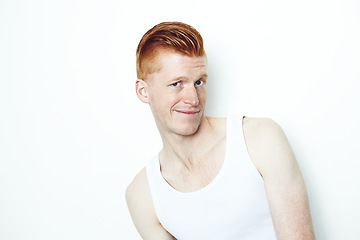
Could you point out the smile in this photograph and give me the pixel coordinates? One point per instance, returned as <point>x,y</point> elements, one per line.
<point>187,112</point>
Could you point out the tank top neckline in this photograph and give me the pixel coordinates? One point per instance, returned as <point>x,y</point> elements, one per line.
<point>212,183</point>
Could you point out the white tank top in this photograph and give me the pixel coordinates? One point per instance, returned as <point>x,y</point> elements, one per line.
<point>233,206</point>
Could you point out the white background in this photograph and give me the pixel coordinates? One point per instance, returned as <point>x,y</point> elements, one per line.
<point>73,134</point>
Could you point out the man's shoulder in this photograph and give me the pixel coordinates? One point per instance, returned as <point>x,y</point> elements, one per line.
<point>142,211</point>
<point>262,133</point>
<point>266,143</point>
<point>138,186</point>
<point>260,126</point>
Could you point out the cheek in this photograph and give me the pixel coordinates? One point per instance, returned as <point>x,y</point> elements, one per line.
<point>166,98</point>
<point>202,95</point>
<point>161,102</point>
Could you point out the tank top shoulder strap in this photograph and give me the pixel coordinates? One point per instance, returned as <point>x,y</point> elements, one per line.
<point>235,131</point>
<point>237,146</point>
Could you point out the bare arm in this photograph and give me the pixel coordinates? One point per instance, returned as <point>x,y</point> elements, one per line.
<point>142,211</point>
<point>285,188</point>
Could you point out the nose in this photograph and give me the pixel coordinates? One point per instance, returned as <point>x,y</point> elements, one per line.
<point>191,96</point>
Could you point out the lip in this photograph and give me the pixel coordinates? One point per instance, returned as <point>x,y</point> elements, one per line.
<point>186,112</point>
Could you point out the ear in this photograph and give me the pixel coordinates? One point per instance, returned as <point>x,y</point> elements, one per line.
<point>142,90</point>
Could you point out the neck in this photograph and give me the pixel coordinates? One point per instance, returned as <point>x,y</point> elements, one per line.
<point>185,151</point>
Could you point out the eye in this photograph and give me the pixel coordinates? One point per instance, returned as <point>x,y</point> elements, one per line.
<point>175,84</point>
<point>199,82</point>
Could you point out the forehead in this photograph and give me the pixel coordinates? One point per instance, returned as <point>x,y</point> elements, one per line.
<point>172,64</point>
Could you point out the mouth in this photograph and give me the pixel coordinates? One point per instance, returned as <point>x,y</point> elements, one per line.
<point>189,113</point>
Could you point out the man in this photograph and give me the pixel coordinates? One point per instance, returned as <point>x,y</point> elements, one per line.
<point>214,178</point>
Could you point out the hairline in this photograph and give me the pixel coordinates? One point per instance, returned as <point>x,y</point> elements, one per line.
<point>161,50</point>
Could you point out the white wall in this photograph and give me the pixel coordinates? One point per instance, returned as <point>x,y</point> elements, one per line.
<point>73,133</point>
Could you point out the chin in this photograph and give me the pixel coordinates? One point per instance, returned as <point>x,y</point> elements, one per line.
<point>189,131</point>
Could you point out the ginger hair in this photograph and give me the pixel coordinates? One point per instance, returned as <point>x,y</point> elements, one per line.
<point>174,36</point>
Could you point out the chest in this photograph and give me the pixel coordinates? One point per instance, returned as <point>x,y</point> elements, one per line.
<point>232,206</point>
<point>200,173</point>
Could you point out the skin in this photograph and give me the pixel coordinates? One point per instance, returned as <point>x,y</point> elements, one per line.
<point>194,149</point>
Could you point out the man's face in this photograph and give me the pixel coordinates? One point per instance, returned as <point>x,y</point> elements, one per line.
<point>177,93</point>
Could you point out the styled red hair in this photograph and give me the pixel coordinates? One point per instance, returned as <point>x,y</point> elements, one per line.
<point>175,36</point>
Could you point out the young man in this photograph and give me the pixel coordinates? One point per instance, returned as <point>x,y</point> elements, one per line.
<point>215,178</point>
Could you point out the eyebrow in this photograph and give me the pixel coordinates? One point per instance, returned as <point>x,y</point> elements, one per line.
<point>204,75</point>
<point>178,78</point>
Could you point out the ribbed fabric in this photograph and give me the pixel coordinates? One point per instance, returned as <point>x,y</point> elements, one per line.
<point>233,206</point>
